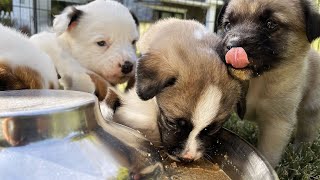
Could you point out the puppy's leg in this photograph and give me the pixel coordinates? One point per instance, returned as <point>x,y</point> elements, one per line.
<point>274,135</point>
<point>308,126</point>
<point>276,118</point>
<point>85,81</point>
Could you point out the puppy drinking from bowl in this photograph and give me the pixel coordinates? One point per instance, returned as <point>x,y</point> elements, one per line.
<point>185,89</point>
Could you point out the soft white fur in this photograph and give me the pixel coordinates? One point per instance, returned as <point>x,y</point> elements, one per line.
<point>135,113</point>
<point>207,109</point>
<point>17,50</point>
<point>74,51</point>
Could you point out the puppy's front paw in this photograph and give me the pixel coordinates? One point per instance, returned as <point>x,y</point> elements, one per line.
<point>86,82</point>
<point>78,82</point>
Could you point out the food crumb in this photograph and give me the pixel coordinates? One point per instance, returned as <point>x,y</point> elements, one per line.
<point>225,157</point>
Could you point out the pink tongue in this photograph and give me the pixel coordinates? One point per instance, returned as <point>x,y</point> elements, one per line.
<point>237,57</point>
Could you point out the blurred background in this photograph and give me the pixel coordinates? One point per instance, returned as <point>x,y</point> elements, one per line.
<point>32,16</point>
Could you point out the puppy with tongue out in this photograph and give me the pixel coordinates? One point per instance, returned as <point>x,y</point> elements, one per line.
<point>267,45</point>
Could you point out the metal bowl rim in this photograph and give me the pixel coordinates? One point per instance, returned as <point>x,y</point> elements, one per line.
<point>265,161</point>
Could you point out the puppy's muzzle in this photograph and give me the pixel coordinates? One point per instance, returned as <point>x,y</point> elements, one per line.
<point>127,67</point>
<point>187,158</point>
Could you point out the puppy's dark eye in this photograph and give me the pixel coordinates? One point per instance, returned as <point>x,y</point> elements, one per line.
<point>181,122</point>
<point>170,82</point>
<point>101,43</point>
<point>134,42</point>
<point>271,25</point>
<point>227,26</point>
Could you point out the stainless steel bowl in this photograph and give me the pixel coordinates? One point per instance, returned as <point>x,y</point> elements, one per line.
<point>52,134</point>
<point>238,159</point>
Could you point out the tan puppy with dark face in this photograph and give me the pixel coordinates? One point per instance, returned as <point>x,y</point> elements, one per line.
<point>188,90</point>
<point>268,43</point>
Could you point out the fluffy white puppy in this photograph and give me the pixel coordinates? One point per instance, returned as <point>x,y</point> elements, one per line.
<point>23,65</point>
<point>92,41</point>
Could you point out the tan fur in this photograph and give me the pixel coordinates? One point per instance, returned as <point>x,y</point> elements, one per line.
<point>171,51</point>
<point>286,10</point>
<point>20,77</point>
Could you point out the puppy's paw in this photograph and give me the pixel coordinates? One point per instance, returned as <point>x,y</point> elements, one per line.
<point>77,81</point>
<point>86,82</point>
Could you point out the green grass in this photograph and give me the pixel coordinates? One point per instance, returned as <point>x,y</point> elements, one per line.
<point>301,164</point>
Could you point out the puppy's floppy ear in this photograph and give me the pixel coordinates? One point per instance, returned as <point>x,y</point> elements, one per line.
<point>151,77</point>
<point>312,20</point>
<point>67,20</point>
<point>220,16</point>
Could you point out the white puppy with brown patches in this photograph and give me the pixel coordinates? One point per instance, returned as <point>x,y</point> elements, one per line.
<point>187,91</point>
<point>23,65</point>
<point>92,43</point>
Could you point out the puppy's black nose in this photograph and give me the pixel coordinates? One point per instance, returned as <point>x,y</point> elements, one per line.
<point>233,43</point>
<point>126,67</point>
<point>229,47</point>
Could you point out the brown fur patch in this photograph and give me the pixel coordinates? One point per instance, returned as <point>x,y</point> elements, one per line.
<point>101,86</point>
<point>112,99</point>
<point>21,77</point>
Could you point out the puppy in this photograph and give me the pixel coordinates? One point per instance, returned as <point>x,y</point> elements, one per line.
<point>267,42</point>
<point>23,65</point>
<point>91,44</point>
<point>185,86</point>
